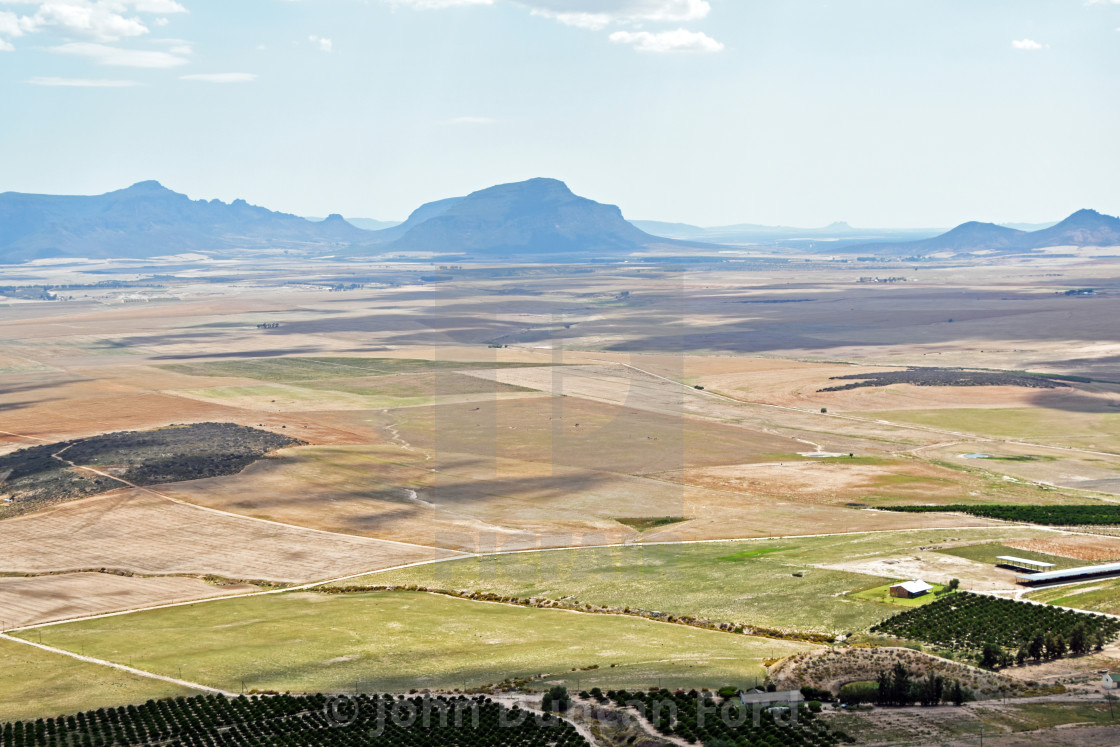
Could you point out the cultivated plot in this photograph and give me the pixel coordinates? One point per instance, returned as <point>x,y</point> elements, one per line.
<point>39,684</point>
<point>135,530</point>
<point>29,600</point>
<point>394,641</point>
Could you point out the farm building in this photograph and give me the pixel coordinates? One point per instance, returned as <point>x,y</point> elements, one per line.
<point>911,589</point>
<point>1072,574</point>
<point>1023,564</point>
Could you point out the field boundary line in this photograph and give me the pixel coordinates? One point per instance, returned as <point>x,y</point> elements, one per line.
<point>121,667</point>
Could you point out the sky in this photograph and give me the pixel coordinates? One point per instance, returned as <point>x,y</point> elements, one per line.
<point>920,113</point>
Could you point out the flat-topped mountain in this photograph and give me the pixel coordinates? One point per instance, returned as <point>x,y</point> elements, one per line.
<point>147,220</point>
<point>538,217</point>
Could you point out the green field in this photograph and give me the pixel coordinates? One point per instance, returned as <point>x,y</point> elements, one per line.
<point>63,685</point>
<point>393,641</point>
<point>1095,596</point>
<point>738,582</point>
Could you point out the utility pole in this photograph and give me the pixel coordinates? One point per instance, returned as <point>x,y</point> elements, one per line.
<point>981,735</point>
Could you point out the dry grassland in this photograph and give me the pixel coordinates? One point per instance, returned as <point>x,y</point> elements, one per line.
<point>1092,549</point>
<point>137,531</point>
<point>30,600</point>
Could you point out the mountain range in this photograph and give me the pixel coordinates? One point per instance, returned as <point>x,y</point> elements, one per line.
<point>147,220</point>
<point>533,220</point>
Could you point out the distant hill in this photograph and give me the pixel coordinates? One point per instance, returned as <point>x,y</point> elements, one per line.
<point>534,218</point>
<point>147,220</point>
<point>752,233</point>
<point>1083,228</point>
<point>368,224</point>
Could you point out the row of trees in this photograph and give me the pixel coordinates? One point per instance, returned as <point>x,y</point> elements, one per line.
<point>898,688</point>
<point>1070,515</point>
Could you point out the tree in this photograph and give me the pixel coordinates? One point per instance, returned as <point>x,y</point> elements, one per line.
<point>900,685</point>
<point>1036,647</point>
<point>990,656</point>
<point>957,693</point>
<point>884,694</point>
<point>556,699</point>
<point>1023,654</point>
<point>1079,639</point>
<point>954,584</point>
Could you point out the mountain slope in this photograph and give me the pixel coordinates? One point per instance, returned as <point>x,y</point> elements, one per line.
<point>147,220</point>
<point>1083,228</point>
<point>534,218</point>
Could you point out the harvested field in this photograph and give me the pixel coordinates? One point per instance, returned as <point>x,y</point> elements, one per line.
<point>30,600</point>
<point>574,432</point>
<point>38,684</point>
<point>303,370</point>
<point>487,503</point>
<point>137,531</point>
<point>394,641</point>
<point>829,480</point>
<point>1092,549</point>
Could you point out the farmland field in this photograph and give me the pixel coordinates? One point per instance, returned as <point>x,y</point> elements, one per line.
<point>417,432</point>
<point>39,684</point>
<point>131,530</point>
<point>28,600</point>
<point>393,641</point>
<point>737,582</point>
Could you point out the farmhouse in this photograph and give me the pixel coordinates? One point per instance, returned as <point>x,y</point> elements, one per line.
<point>911,589</point>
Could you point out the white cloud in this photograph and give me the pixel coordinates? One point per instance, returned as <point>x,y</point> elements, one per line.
<point>221,77</point>
<point>680,40</point>
<point>104,54</point>
<point>603,12</point>
<point>82,82</point>
<point>6,46</point>
<point>324,44</point>
<point>432,4</point>
<point>471,121</point>
<point>1028,45</point>
<point>593,21</point>
<point>99,20</point>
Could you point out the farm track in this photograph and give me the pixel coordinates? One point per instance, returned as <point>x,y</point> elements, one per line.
<point>119,667</point>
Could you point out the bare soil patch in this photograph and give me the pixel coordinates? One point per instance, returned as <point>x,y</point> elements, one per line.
<point>137,531</point>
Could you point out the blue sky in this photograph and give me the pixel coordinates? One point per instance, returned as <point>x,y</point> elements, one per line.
<point>796,112</point>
